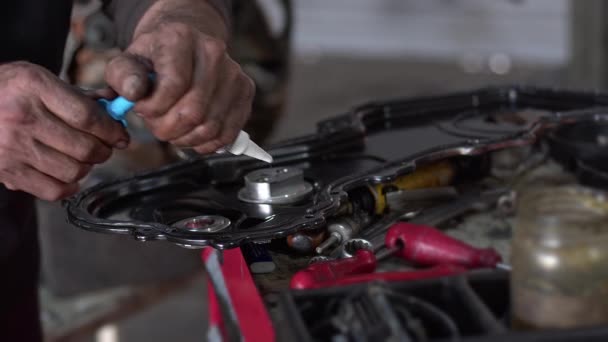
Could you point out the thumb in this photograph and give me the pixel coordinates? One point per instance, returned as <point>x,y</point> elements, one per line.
<point>128,75</point>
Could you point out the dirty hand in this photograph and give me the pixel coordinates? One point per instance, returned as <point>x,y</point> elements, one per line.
<point>50,133</point>
<point>200,97</point>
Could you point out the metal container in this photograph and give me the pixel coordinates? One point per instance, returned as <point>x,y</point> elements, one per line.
<point>560,259</point>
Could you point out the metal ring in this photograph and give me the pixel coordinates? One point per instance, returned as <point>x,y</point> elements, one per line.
<point>203,224</point>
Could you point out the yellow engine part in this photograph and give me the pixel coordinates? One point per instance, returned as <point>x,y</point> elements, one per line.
<point>427,176</point>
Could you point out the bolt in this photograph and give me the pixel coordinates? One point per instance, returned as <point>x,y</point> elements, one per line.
<point>331,240</point>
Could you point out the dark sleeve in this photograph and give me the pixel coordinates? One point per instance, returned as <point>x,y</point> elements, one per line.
<point>126,15</point>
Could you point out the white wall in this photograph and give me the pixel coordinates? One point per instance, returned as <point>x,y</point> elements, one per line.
<point>525,30</point>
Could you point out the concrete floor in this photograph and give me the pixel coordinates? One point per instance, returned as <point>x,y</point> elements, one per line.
<point>182,317</point>
<point>321,87</point>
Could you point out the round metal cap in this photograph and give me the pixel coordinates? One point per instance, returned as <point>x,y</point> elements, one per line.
<point>203,224</point>
<point>279,185</point>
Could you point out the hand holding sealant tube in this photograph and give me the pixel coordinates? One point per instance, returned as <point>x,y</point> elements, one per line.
<point>120,106</point>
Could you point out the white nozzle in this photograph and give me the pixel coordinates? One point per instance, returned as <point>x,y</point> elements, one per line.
<point>244,145</point>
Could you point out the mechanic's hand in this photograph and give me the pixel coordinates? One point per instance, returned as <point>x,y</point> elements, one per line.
<point>200,98</point>
<point>50,133</point>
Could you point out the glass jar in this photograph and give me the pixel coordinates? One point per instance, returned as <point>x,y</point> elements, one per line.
<point>560,259</point>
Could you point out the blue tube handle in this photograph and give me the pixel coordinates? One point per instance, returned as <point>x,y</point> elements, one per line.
<point>117,108</point>
<point>120,106</point>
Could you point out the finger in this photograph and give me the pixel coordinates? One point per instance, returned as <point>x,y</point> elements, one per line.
<point>127,74</point>
<point>102,93</point>
<point>82,147</point>
<point>191,110</point>
<point>173,66</point>
<point>231,127</point>
<point>242,92</point>
<point>40,185</point>
<point>208,131</point>
<point>209,147</point>
<point>82,113</point>
<point>183,117</point>
<point>57,165</point>
<point>228,87</point>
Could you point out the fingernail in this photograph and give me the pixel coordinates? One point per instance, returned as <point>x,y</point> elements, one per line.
<point>121,145</point>
<point>131,84</point>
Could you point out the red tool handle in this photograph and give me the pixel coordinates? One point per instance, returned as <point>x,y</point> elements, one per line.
<point>364,261</point>
<point>433,272</point>
<point>426,245</point>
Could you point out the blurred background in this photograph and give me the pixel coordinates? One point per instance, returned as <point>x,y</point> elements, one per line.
<point>311,59</point>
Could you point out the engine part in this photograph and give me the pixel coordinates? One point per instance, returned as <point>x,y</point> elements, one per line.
<point>203,224</point>
<point>508,162</point>
<point>360,149</point>
<point>368,317</point>
<point>439,174</point>
<point>305,242</point>
<point>593,174</point>
<point>584,141</point>
<point>280,185</point>
<point>396,311</point>
<point>339,231</point>
<point>506,204</point>
<point>402,200</point>
<point>583,147</point>
<point>318,258</point>
<point>353,245</point>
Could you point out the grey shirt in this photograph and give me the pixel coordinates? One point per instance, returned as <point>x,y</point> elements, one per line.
<point>36,30</point>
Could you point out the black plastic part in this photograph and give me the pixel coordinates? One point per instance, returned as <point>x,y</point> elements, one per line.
<point>478,303</point>
<point>586,141</point>
<point>373,143</point>
<point>583,148</point>
<point>593,174</point>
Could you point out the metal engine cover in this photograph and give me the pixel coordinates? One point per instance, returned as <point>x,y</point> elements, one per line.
<point>245,200</point>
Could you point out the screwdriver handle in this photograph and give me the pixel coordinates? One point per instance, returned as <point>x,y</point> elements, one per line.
<point>428,246</point>
<point>364,261</point>
<point>442,270</point>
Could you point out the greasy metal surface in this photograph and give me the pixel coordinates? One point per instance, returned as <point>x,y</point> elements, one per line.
<point>371,144</point>
<point>203,224</point>
<point>279,185</point>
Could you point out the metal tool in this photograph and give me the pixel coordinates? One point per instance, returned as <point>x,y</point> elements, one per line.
<point>507,203</point>
<point>319,273</point>
<point>427,246</point>
<point>317,259</point>
<point>351,246</point>
<point>439,214</point>
<point>339,231</point>
<point>279,185</point>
